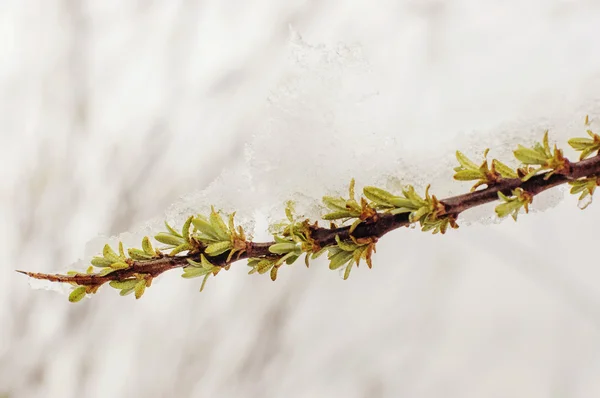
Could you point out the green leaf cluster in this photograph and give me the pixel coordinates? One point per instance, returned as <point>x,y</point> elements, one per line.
<point>177,241</point>
<point>346,209</point>
<point>135,285</point>
<point>511,205</point>
<point>293,237</point>
<point>79,292</point>
<point>484,175</point>
<point>542,156</point>
<point>203,268</point>
<point>410,202</point>
<point>218,236</point>
<point>348,253</point>
<point>585,186</point>
<point>111,261</point>
<point>425,210</point>
<point>587,146</point>
<point>438,224</point>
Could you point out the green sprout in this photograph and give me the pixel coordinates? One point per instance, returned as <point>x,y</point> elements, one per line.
<point>585,186</point>
<point>428,211</point>
<point>587,146</point>
<point>349,253</point>
<point>346,209</point>
<point>542,156</point>
<point>512,205</point>
<point>484,175</point>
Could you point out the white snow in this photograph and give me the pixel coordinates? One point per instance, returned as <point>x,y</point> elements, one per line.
<point>116,116</point>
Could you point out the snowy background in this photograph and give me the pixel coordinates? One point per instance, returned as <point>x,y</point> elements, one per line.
<point>116,115</point>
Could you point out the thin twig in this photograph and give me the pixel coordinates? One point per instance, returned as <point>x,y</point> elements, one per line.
<point>373,228</point>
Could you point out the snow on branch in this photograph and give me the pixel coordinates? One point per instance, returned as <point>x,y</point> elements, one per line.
<point>206,245</point>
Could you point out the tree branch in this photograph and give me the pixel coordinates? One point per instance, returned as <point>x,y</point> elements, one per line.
<point>370,224</point>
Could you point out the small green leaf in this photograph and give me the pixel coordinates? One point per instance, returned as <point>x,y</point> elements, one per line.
<point>468,175</point>
<point>110,254</point>
<point>319,253</point>
<point>121,251</point>
<point>291,259</point>
<point>205,228</point>
<point>510,207</point>
<point>580,144</point>
<point>138,254</point>
<point>204,282</point>
<point>400,203</point>
<point>503,209</point>
<point>289,210</point>
<point>504,170</point>
<point>231,224</point>
<point>503,197</point>
<point>351,189</point>
<point>587,152</point>
<point>106,271</point>
<point>339,258</point>
<point>400,210</point>
<point>125,284</point>
<point>354,207</point>
<point>465,161</point>
<point>101,262</point>
<point>379,196</point>
<point>283,248</point>
<point>338,214</point>
<point>214,249</point>
<point>119,265</point>
<point>169,239</point>
<point>194,263</point>
<point>171,230</point>
<point>546,145</point>
<point>216,221</point>
<point>140,288</point>
<point>577,188</point>
<point>283,259</point>
<point>185,230</point>
<point>279,239</point>
<point>346,246</point>
<point>347,271</point>
<point>335,203</point>
<point>264,266</point>
<point>530,156</point>
<point>356,254</point>
<point>274,273</point>
<point>416,215</point>
<point>77,294</point>
<point>125,292</point>
<point>354,225</point>
<point>147,247</point>
<point>530,174</point>
<point>179,249</point>
<point>205,263</point>
<point>194,272</point>
<point>410,193</point>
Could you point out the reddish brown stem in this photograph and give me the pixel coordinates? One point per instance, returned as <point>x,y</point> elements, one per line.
<point>324,237</point>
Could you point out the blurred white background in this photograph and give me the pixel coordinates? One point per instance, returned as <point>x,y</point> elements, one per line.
<point>111,111</point>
